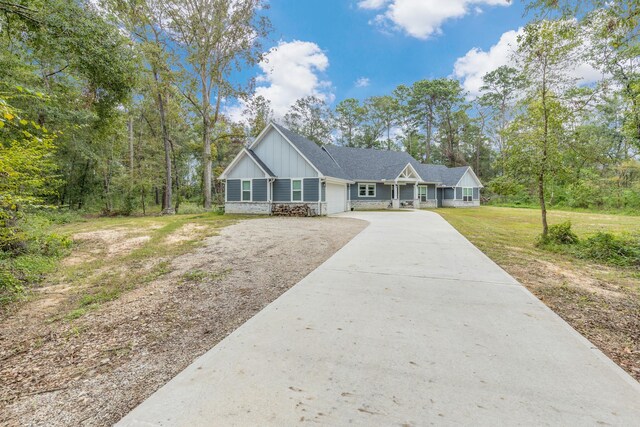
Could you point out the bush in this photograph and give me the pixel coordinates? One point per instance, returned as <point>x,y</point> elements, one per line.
<point>608,248</point>
<point>562,234</point>
<point>29,250</point>
<point>559,234</point>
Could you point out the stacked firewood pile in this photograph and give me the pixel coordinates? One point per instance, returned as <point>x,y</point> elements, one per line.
<point>292,210</point>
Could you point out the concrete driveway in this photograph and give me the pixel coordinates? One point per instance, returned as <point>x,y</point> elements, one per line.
<point>408,324</point>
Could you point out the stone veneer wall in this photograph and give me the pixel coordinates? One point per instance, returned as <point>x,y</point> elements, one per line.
<point>460,203</point>
<point>247,208</point>
<point>369,204</point>
<point>265,208</point>
<point>429,204</point>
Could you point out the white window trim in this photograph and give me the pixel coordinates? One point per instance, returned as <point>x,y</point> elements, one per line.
<point>301,190</point>
<point>366,185</point>
<point>250,181</point>
<point>471,195</point>
<point>426,193</point>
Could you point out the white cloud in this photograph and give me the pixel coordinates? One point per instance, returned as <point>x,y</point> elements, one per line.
<point>290,71</point>
<point>476,63</point>
<point>423,18</point>
<point>372,4</point>
<point>363,82</point>
<point>471,67</point>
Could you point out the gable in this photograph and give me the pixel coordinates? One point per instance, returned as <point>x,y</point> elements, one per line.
<point>281,157</point>
<point>408,173</point>
<point>469,180</point>
<point>246,168</point>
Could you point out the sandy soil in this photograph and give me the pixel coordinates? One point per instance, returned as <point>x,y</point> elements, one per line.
<point>94,370</point>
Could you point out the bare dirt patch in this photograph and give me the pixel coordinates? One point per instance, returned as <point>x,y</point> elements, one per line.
<point>95,369</point>
<point>108,243</point>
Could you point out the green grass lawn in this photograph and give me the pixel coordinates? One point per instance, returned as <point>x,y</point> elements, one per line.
<point>500,231</point>
<point>601,301</point>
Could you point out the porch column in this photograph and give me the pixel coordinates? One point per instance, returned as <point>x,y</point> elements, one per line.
<point>396,199</point>
<point>416,199</point>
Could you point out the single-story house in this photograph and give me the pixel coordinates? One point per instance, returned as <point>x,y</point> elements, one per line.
<point>282,167</point>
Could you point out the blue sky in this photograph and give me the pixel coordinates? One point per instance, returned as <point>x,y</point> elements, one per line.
<point>357,49</point>
<point>326,46</point>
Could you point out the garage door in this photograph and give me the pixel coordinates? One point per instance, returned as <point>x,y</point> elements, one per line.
<point>336,195</point>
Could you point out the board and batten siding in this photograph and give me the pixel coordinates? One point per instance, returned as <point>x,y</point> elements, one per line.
<point>311,189</point>
<point>280,156</point>
<point>383,192</point>
<point>467,180</point>
<point>246,168</point>
<point>233,190</point>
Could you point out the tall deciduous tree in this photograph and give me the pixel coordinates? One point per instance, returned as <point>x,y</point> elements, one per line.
<point>220,37</point>
<point>258,113</point>
<point>384,110</point>
<point>546,50</point>
<point>311,118</point>
<point>348,117</point>
<point>144,20</point>
<point>500,90</point>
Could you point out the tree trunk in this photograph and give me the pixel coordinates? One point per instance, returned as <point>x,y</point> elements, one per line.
<point>206,146</point>
<point>428,143</point>
<point>177,178</point>
<point>543,205</point>
<point>543,165</point>
<point>131,164</point>
<point>167,202</point>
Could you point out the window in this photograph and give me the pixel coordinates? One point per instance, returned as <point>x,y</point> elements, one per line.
<point>246,191</point>
<point>296,190</point>
<point>467,194</point>
<point>367,190</point>
<point>422,193</point>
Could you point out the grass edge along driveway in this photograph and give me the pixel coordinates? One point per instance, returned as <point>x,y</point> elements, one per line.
<point>602,302</point>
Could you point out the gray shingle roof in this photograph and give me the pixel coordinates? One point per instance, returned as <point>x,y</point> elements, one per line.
<point>360,164</point>
<point>255,157</point>
<point>451,176</point>
<point>369,164</point>
<point>316,155</point>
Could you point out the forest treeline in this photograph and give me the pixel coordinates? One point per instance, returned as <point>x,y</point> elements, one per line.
<point>119,106</point>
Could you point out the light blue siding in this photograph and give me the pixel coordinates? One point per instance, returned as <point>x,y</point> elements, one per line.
<point>468,180</point>
<point>476,193</point>
<point>233,190</point>
<point>246,168</point>
<point>282,158</point>
<point>311,189</point>
<point>282,190</point>
<point>259,190</point>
